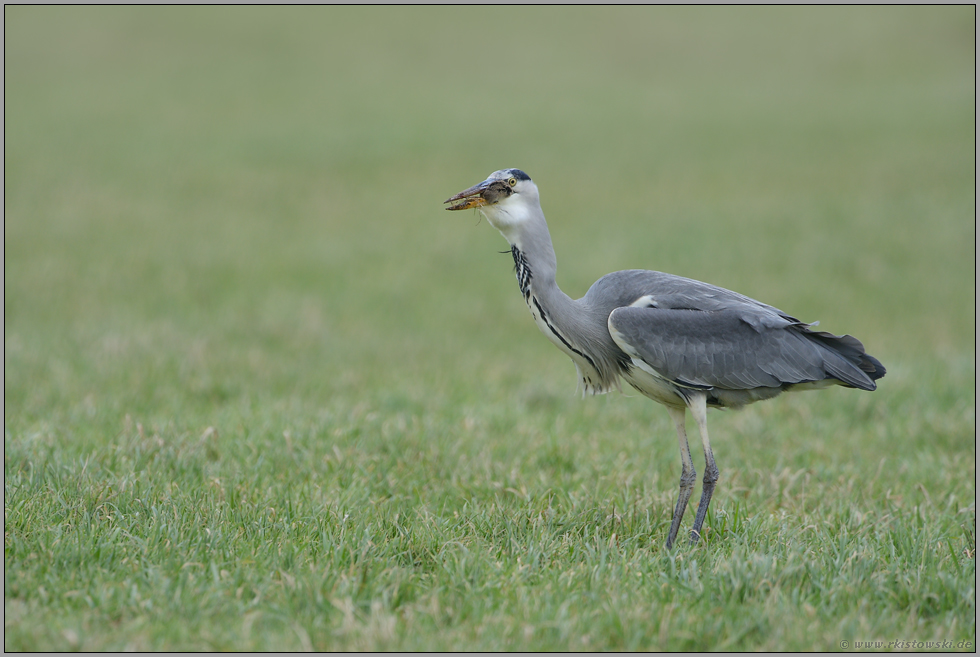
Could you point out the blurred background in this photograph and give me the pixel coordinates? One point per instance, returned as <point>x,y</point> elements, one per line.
<point>210,207</point>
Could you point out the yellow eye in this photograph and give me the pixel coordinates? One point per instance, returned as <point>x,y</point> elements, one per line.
<point>512,182</point>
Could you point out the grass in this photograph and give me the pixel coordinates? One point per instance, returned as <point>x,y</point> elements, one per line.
<point>262,393</point>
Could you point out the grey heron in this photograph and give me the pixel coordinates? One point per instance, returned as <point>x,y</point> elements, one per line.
<point>685,344</point>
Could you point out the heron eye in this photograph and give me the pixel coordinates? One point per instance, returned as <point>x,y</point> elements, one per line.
<point>512,182</point>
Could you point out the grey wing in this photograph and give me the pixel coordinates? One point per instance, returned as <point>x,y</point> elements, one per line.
<point>730,348</point>
<point>660,290</point>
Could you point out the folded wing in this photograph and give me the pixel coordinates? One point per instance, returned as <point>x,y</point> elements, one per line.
<point>739,348</point>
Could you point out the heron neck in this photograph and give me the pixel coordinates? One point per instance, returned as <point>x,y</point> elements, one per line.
<point>537,266</point>
<point>575,327</point>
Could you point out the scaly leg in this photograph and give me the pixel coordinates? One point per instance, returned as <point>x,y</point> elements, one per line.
<point>698,405</point>
<point>688,475</point>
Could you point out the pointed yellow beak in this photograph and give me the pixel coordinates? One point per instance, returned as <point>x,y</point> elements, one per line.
<point>469,198</point>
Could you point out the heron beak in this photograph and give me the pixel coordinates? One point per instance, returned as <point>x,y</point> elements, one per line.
<point>469,198</point>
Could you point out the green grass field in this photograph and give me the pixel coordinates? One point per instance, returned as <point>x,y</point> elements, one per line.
<point>262,393</point>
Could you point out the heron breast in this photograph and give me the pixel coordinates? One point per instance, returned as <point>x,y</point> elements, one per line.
<point>646,380</point>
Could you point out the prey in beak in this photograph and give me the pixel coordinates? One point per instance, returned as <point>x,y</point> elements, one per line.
<point>487,192</point>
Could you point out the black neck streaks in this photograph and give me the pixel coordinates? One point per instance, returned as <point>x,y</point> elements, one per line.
<point>524,280</point>
<point>523,272</point>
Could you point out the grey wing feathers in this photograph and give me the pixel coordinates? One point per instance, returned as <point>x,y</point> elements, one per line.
<point>622,288</point>
<point>727,349</point>
<point>699,334</point>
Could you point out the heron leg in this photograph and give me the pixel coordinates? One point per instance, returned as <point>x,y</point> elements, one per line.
<point>699,409</point>
<point>688,475</point>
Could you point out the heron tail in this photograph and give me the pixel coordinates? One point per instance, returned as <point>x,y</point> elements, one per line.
<point>847,360</point>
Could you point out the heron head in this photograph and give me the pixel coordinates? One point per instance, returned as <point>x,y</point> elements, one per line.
<point>505,198</point>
